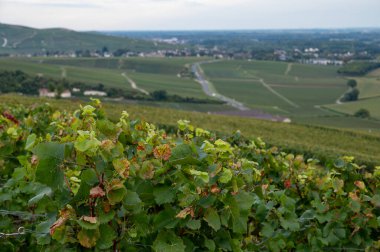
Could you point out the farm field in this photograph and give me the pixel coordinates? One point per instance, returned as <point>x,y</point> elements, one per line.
<point>371,104</point>
<point>149,74</point>
<point>305,93</point>
<point>369,96</point>
<point>315,141</point>
<point>291,87</point>
<point>368,86</point>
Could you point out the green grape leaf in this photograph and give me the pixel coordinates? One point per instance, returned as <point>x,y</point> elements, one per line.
<point>210,244</point>
<point>165,219</point>
<point>105,217</point>
<point>163,195</point>
<point>107,236</point>
<point>167,241</point>
<point>44,191</point>
<point>50,157</point>
<point>88,180</point>
<point>225,176</point>
<point>199,174</point>
<point>212,218</point>
<point>183,154</point>
<point>116,192</point>
<point>194,224</point>
<point>43,232</point>
<point>290,222</point>
<point>30,141</point>
<point>131,199</point>
<point>267,230</point>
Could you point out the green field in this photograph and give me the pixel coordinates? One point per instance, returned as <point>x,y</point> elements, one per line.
<point>371,104</point>
<point>294,88</point>
<point>368,86</point>
<point>149,74</point>
<point>305,93</point>
<point>369,96</point>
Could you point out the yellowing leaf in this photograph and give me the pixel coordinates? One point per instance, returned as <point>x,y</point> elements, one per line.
<point>185,212</point>
<point>360,185</point>
<point>122,167</point>
<point>87,238</point>
<point>162,152</point>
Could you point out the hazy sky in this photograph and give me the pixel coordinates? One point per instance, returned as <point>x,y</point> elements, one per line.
<point>190,14</point>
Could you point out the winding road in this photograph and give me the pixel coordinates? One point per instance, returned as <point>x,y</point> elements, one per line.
<point>133,84</point>
<point>209,89</point>
<point>5,42</point>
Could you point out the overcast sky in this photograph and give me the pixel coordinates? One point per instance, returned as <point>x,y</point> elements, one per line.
<point>190,14</point>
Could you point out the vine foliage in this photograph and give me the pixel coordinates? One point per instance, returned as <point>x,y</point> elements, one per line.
<point>77,180</point>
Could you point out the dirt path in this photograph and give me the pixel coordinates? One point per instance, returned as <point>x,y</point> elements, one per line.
<point>210,90</point>
<point>64,73</point>
<point>134,85</point>
<point>270,89</point>
<point>5,42</point>
<point>288,69</point>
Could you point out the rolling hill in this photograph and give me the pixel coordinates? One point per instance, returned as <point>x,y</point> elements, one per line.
<point>16,39</point>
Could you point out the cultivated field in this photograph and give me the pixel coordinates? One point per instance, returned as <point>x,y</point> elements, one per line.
<point>148,74</point>
<point>292,88</point>
<point>305,93</point>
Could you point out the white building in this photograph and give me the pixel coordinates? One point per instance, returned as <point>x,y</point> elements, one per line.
<point>66,94</point>
<point>44,92</point>
<point>94,93</point>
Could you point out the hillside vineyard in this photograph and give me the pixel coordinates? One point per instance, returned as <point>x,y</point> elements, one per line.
<point>78,180</point>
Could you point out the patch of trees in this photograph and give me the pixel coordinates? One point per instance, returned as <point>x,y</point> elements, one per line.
<point>358,68</point>
<point>353,93</point>
<point>162,95</point>
<point>352,83</point>
<point>20,82</point>
<point>362,113</point>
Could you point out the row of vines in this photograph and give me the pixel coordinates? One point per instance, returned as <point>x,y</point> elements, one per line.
<point>78,181</point>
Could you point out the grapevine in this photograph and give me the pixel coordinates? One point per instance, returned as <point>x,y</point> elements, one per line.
<point>78,180</point>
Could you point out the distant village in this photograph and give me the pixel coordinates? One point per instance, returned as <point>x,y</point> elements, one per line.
<point>305,55</point>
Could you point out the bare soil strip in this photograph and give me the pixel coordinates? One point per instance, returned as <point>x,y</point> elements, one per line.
<point>134,85</point>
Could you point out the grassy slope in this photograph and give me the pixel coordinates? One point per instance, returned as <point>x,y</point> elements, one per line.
<point>371,104</point>
<point>317,141</point>
<point>28,40</point>
<point>304,85</point>
<point>369,96</point>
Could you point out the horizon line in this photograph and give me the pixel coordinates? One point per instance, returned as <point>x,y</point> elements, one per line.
<point>206,30</point>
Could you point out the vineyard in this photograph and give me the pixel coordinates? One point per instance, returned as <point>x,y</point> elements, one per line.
<point>77,181</point>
